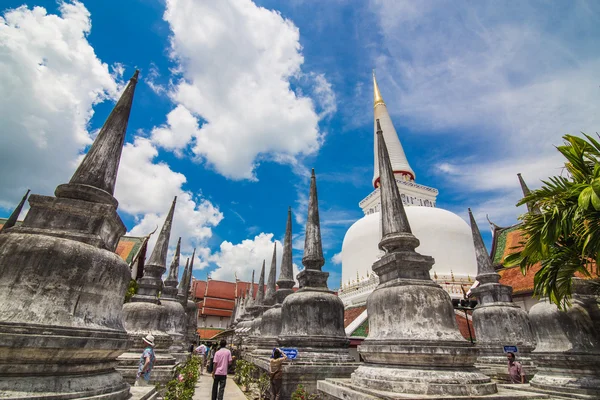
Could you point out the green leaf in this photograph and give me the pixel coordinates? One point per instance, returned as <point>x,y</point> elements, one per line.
<point>585,197</point>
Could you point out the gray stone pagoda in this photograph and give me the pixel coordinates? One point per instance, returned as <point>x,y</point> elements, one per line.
<point>498,322</point>
<point>176,317</point>
<point>414,347</point>
<point>313,317</point>
<point>62,285</point>
<point>567,354</point>
<point>271,319</point>
<point>259,309</point>
<point>245,324</point>
<point>145,314</point>
<point>186,299</point>
<point>14,216</point>
<point>266,340</point>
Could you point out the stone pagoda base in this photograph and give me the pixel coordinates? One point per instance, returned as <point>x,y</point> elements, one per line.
<point>163,371</point>
<point>308,368</point>
<point>496,367</point>
<point>330,389</point>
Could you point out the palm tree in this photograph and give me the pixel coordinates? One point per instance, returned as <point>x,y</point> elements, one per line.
<point>562,229</point>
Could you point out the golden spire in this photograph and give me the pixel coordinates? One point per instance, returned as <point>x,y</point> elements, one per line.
<point>377,99</point>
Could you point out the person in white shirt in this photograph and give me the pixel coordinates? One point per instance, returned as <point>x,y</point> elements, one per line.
<point>201,351</point>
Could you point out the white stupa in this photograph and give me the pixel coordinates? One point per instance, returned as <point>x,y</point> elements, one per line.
<point>443,235</point>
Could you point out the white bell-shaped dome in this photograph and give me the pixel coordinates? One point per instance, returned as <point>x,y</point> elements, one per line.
<point>443,235</point>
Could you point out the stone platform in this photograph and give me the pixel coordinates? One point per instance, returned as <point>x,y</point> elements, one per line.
<point>330,389</point>
<point>306,373</point>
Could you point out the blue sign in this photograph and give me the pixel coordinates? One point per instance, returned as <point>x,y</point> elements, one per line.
<point>290,352</point>
<point>511,349</point>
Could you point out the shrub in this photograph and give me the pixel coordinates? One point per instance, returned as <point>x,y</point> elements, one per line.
<point>301,394</point>
<point>131,290</point>
<point>264,386</point>
<point>183,385</point>
<point>244,372</point>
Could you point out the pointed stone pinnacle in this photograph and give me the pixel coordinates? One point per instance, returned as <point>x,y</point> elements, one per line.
<point>174,269</point>
<point>286,275</point>
<point>14,216</point>
<point>159,253</point>
<point>484,263</point>
<point>271,288</point>
<point>313,250</point>
<point>260,295</point>
<point>95,178</point>
<point>395,229</point>
<point>531,207</point>
<point>181,287</point>
<point>188,282</point>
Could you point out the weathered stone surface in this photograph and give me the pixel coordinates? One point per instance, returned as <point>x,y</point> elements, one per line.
<point>176,316</point>
<point>330,389</point>
<point>62,286</point>
<point>568,343</point>
<point>14,216</point>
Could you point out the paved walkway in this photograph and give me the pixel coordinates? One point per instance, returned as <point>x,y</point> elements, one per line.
<point>204,389</point>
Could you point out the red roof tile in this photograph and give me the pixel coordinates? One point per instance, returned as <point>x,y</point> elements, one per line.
<point>350,314</point>
<point>211,302</point>
<point>199,288</point>
<point>463,327</point>
<point>216,312</point>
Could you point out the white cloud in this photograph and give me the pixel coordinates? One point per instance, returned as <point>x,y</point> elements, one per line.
<point>237,60</point>
<point>244,257</point>
<point>50,78</point>
<point>146,189</point>
<point>503,83</point>
<point>337,258</point>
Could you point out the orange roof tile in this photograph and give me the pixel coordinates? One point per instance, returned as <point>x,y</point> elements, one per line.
<point>208,333</point>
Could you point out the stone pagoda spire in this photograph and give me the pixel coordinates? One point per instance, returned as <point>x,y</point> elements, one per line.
<point>184,285</point>
<point>303,313</point>
<point>414,345</point>
<point>181,287</point>
<point>260,295</point>
<point>176,313</point>
<point>286,275</point>
<point>94,180</point>
<point>145,313</point>
<point>400,166</point>
<point>271,288</point>
<point>156,266</point>
<point>270,327</point>
<point>313,250</point>
<point>170,286</point>
<point>496,319</point>
<point>191,309</point>
<point>14,216</point>
<point>531,207</point>
<point>62,280</point>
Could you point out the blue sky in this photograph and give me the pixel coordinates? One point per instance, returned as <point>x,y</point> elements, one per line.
<point>239,99</point>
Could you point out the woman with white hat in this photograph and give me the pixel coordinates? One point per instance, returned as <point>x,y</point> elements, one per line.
<point>146,362</point>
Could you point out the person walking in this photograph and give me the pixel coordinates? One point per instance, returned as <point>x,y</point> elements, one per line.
<point>221,363</point>
<point>146,362</point>
<point>201,351</point>
<point>276,370</point>
<point>515,370</point>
